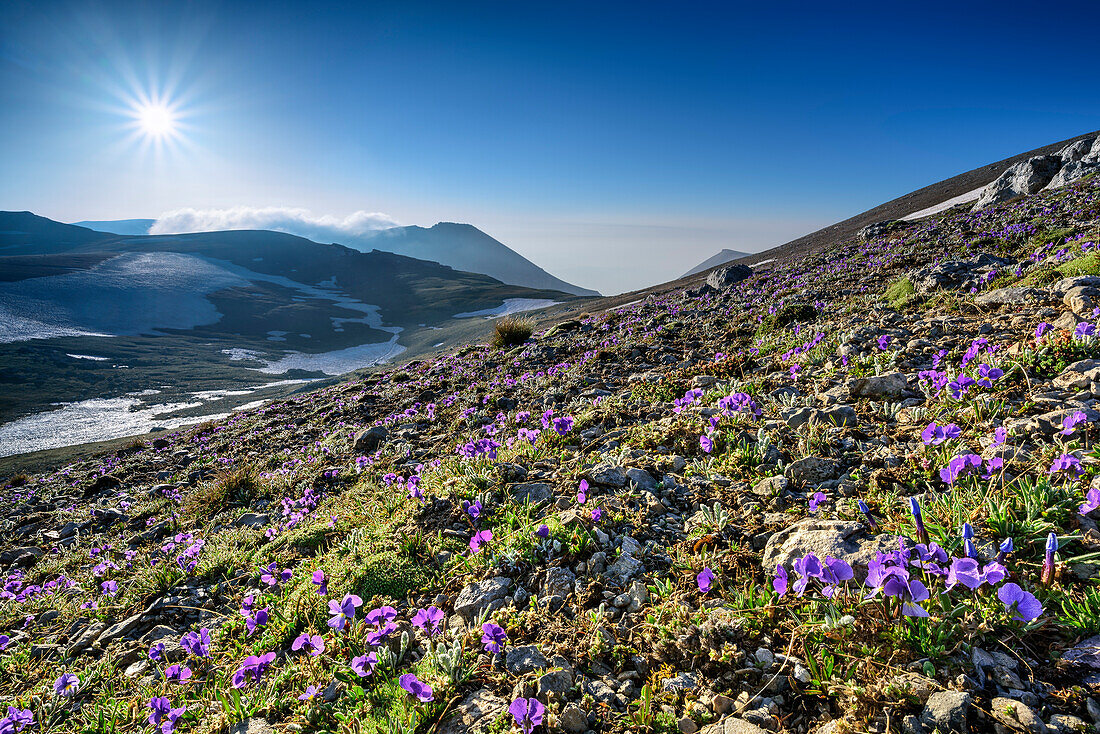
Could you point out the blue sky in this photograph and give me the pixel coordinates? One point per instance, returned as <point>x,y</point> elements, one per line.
<point>616,146</point>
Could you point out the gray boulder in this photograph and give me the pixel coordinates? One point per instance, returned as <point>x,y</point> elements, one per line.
<point>524,659</point>
<point>1084,653</point>
<point>1076,150</point>
<point>813,470</point>
<point>533,492</point>
<point>1011,296</point>
<point>1025,177</point>
<point>888,387</point>
<point>733,725</point>
<point>844,539</point>
<point>878,229</point>
<point>252,725</point>
<point>476,713</point>
<point>558,582</point>
<point>573,719</point>
<point>491,594</point>
<point>946,711</point>
<point>957,274</point>
<point>642,478</point>
<point>1072,171</point>
<point>1017,715</point>
<point>370,438</point>
<point>608,475</point>
<point>725,277</point>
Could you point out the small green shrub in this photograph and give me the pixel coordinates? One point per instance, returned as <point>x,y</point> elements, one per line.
<point>900,293</point>
<point>1041,276</point>
<point>1086,265</point>
<point>790,314</point>
<point>1056,236</point>
<point>511,331</point>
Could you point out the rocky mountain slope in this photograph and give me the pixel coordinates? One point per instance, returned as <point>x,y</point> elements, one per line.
<point>963,188</point>
<point>743,507</point>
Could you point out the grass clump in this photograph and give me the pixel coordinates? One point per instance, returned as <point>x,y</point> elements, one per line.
<point>511,331</point>
<point>237,486</point>
<point>1086,265</point>
<point>900,293</point>
<point>790,314</point>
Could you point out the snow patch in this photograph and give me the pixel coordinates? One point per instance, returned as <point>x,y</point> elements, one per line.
<point>100,419</point>
<point>337,362</point>
<point>133,293</point>
<point>510,306</point>
<point>944,206</point>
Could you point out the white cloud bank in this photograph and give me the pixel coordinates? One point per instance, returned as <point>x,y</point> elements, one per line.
<point>301,222</point>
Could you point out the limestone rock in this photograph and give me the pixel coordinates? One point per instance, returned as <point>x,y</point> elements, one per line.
<point>489,594</point>
<point>844,539</point>
<point>947,711</point>
<point>881,387</point>
<point>723,278</point>
<point>476,713</point>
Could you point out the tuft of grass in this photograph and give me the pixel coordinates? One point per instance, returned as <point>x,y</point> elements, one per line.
<point>511,331</point>
<point>790,314</point>
<point>18,480</point>
<point>900,293</point>
<point>237,486</point>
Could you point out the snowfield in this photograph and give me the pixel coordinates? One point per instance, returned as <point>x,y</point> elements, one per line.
<point>135,293</point>
<point>944,206</point>
<point>510,306</point>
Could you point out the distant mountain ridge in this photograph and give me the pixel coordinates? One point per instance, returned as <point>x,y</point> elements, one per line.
<point>88,315</point>
<point>461,246</point>
<point>119,226</point>
<point>723,257</point>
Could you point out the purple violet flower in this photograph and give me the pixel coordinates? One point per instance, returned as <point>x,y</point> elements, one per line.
<point>312,644</point>
<point>66,685</point>
<point>867,513</point>
<point>480,538</point>
<point>779,583</point>
<point>320,582</point>
<point>364,665</point>
<point>197,643</point>
<point>704,580</point>
<point>414,687</point>
<point>1023,605</point>
<point>1092,501</point>
<point>1071,421</point>
<point>493,637</point>
<point>527,712</point>
<point>252,669</point>
<point>817,500</point>
<point>918,520</point>
<point>259,619</point>
<point>1047,576</point>
<point>343,612</point>
<point>163,715</point>
<point>431,616</point>
<point>1067,463</point>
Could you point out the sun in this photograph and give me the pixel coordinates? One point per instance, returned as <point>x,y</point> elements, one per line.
<point>156,120</point>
